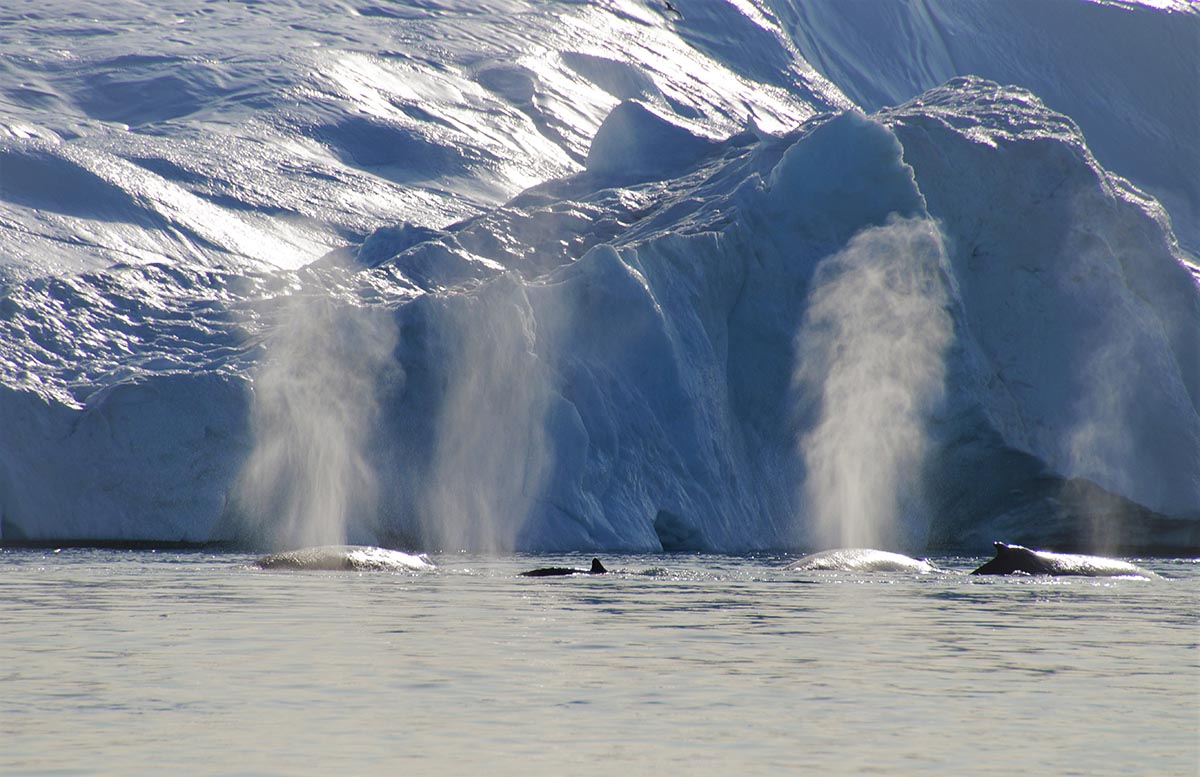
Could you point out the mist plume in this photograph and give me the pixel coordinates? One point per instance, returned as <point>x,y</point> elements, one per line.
<point>492,456</point>
<point>869,371</point>
<point>309,479</point>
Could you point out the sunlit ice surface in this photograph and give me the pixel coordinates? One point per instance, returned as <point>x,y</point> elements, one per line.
<point>267,135</point>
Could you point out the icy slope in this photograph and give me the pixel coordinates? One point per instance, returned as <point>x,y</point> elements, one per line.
<point>237,304</point>
<point>248,134</point>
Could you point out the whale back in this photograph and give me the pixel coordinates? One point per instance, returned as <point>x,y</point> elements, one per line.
<point>1012,559</point>
<point>345,558</point>
<point>859,560</point>
<point>551,572</point>
<point>596,569</point>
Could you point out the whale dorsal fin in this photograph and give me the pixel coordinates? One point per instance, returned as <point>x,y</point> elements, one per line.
<point>597,567</point>
<point>1006,549</point>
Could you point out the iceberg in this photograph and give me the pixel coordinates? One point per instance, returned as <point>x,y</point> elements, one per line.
<point>1138,117</point>
<point>683,296</point>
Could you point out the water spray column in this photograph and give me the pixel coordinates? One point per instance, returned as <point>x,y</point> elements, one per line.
<point>309,479</point>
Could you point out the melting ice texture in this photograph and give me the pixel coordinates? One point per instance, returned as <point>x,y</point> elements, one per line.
<point>672,291</point>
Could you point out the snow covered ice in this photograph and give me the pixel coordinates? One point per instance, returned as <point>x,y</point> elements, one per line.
<point>587,275</point>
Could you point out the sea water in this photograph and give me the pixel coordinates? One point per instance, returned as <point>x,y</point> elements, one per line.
<point>138,662</point>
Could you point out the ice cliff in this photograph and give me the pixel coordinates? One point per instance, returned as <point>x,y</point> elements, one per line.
<point>467,280</point>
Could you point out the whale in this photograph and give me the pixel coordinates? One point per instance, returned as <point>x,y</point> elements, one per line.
<point>859,560</point>
<point>1017,559</point>
<point>345,558</point>
<point>596,569</point>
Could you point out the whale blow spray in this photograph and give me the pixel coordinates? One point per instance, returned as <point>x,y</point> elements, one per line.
<point>309,479</point>
<point>869,372</point>
<point>492,456</point>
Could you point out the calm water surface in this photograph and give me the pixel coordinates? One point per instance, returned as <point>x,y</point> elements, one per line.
<point>118,662</point>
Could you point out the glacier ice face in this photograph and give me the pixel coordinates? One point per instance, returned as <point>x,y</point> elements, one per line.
<point>1071,289</point>
<point>643,395</point>
<point>635,353</point>
<point>1139,117</point>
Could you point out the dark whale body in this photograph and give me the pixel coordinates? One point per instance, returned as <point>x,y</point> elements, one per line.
<point>1017,559</point>
<point>596,569</point>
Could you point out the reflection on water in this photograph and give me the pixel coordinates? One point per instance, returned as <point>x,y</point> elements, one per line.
<point>121,662</point>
